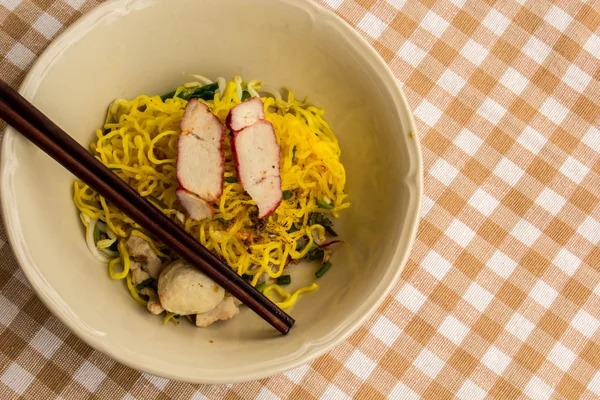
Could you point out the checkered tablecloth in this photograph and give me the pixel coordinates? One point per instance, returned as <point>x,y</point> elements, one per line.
<point>501,295</point>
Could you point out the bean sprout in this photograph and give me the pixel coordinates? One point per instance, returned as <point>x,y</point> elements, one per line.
<point>202,79</point>
<point>89,239</point>
<point>222,84</point>
<point>238,86</point>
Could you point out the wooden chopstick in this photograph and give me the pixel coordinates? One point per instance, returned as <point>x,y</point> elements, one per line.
<point>50,138</point>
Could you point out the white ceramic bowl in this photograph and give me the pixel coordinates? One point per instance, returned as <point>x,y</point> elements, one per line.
<point>125,48</point>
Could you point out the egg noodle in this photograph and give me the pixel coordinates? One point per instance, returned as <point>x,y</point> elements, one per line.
<point>139,143</point>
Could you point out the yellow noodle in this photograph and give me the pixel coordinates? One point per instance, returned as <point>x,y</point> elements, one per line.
<point>133,291</point>
<point>288,299</point>
<point>170,316</point>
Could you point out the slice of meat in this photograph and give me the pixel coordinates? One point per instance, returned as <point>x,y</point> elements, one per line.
<point>153,305</point>
<point>200,159</point>
<point>138,275</point>
<point>226,309</point>
<point>245,114</point>
<point>257,163</point>
<point>148,259</point>
<point>195,208</point>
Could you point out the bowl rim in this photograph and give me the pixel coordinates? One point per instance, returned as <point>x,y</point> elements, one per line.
<point>118,8</point>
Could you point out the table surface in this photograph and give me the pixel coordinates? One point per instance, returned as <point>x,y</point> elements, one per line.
<point>501,295</point>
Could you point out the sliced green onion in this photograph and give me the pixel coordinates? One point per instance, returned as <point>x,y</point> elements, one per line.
<point>157,202</point>
<point>223,221</point>
<point>231,179</point>
<point>330,230</point>
<point>324,268</point>
<point>293,153</point>
<point>284,280</point>
<point>144,284</point>
<point>293,229</point>
<point>287,194</point>
<point>245,95</point>
<point>324,205</point>
<point>316,255</point>
<point>261,287</point>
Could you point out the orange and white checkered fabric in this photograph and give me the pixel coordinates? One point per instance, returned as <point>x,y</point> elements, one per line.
<point>501,295</point>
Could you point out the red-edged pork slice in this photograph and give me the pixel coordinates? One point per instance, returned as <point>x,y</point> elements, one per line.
<point>257,162</point>
<point>195,208</point>
<point>200,159</point>
<point>245,114</point>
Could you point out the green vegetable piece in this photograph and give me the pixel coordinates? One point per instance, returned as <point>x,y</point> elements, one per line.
<point>293,153</point>
<point>330,230</point>
<point>261,287</point>
<point>231,179</point>
<point>206,92</point>
<point>156,202</point>
<point>324,268</point>
<point>317,218</point>
<point>324,205</point>
<point>293,229</point>
<point>224,221</point>
<point>316,255</point>
<point>168,95</point>
<point>284,280</point>
<point>245,95</point>
<point>144,284</point>
<point>287,194</point>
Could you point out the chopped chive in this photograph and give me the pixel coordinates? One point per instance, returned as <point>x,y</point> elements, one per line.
<point>223,221</point>
<point>293,153</point>
<point>287,194</point>
<point>293,229</point>
<point>316,255</point>
<point>324,268</point>
<point>231,179</point>
<point>330,230</point>
<point>261,287</point>
<point>247,277</point>
<point>144,284</point>
<point>324,205</point>
<point>157,202</point>
<point>245,95</point>
<point>115,169</point>
<point>284,280</point>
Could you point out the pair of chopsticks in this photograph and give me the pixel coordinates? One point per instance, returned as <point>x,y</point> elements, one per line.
<point>51,139</point>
